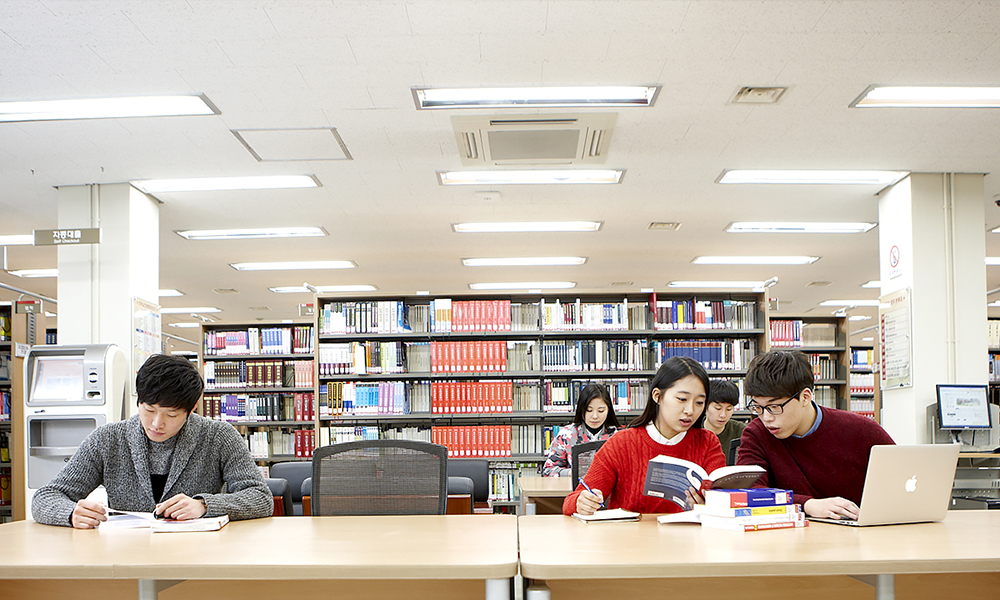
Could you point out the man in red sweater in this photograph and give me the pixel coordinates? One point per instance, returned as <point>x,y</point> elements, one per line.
<point>821,454</point>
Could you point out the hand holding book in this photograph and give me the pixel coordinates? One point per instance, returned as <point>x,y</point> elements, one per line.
<point>672,478</point>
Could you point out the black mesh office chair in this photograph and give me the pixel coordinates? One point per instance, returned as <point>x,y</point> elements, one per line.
<point>734,446</point>
<point>380,477</point>
<point>581,455</point>
<point>476,469</point>
<point>295,472</point>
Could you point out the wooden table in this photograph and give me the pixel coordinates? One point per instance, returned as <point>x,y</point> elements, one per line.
<point>533,488</point>
<point>965,542</point>
<point>450,547</point>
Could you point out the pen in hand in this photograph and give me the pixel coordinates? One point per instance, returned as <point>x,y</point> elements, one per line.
<point>587,487</point>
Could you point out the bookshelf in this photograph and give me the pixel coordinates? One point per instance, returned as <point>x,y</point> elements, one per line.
<point>495,376</point>
<point>824,341</point>
<point>260,378</point>
<point>6,374</point>
<point>865,390</point>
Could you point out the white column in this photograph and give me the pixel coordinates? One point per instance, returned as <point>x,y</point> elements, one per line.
<point>936,223</point>
<point>97,282</point>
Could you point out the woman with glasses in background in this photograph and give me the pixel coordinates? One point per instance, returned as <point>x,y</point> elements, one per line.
<point>821,454</point>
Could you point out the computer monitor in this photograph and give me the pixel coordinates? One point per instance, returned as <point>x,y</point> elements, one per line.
<point>57,379</point>
<point>963,407</point>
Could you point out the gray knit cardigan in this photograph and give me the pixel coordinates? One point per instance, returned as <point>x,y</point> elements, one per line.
<point>208,455</point>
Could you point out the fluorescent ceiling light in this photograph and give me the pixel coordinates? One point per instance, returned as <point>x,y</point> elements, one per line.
<point>423,293</point>
<point>185,325</point>
<point>248,234</point>
<point>170,293</point>
<point>797,227</point>
<point>858,318</point>
<point>524,285</point>
<point>992,261</point>
<point>527,226</point>
<point>215,184</point>
<point>105,108</point>
<point>301,265</point>
<point>849,303</point>
<point>527,261</point>
<point>322,289</point>
<point>754,260</point>
<point>867,339</point>
<point>27,239</point>
<point>190,309</point>
<point>533,97</point>
<point>36,273</point>
<point>873,284</point>
<point>717,284</point>
<point>792,176</point>
<point>532,176</point>
<point>929,96</point>
<point>994,303</point>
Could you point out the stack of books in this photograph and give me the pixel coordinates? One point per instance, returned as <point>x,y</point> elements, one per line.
<point>755,509</point>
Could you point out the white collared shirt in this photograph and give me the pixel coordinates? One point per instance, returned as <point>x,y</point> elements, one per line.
<point>659,439</point>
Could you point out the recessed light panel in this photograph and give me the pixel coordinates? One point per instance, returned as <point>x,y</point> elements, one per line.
<point>170,293</point>
<point>849,303</point>
<point>534,97</point>
<point>527,227</point>
<point>217,184</point>
<point>189,309</point>
<point>322,289</point>
<point>302,265</point>
<point>753,285</point>
<point>27,239</point>
<point>35,273</point>
<point>524,285</point>
<point>105,108</point>
<point>754,260</point>
<point>811,177</point>
<point>797,227</point>
<point>527,261</point>
<point>929,96</point>
<point>282,145</point>
<point>247,234</point>
<point>531,177</point>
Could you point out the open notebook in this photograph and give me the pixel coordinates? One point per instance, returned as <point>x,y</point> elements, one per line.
<point>124,519</point>
<point>612,514</point>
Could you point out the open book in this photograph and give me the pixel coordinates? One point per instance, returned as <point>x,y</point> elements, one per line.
<point>126,519</point>
<point>668,477</point>
<point>612,514</point>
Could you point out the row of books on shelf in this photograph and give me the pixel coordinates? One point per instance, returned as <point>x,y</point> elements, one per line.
<point>4,405</point>
<point>720,354</point>
<point>342,398</point>
<point>993,333</point>
<point>795,333</point>
<point>594,316</point>
<point>862,383</point>
<point>994,367</point>
<point>258,373</point>
<point>291,339</point>
<point>863,358</point>
<point>824,366</point>
<point>704,314</point>
<point>252,408</point>
<point>272,443</point>
<point>825,396</point>
<point>865,407</point>
<point>491,441</point>
<point>504,478</point>
<point>596,355</point>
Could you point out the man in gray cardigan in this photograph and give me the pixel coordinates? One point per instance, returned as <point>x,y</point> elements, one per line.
<point>164,460</point>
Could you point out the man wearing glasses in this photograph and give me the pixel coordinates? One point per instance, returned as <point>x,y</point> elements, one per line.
<point>821,454</point>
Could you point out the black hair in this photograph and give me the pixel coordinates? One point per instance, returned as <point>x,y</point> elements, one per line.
<point>723,390</point>
<point>778,374</point>
<point>588,393</point>
<point>169,382</point>
<point>670,372</point>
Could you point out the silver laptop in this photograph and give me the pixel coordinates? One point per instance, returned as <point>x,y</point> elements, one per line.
<point>905,484</point>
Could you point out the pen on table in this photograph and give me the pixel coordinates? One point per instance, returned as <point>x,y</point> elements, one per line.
<point>587,487</point>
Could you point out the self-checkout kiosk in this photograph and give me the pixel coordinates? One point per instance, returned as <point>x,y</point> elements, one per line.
<point>69,391</point>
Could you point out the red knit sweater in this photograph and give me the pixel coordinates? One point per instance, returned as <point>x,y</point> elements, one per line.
<point>619,468</point>
<point>831,461</point>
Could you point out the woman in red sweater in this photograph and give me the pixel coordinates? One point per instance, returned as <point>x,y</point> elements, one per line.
<point>671,424</point>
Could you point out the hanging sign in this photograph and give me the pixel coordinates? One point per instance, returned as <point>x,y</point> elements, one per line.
<point>58,237</point>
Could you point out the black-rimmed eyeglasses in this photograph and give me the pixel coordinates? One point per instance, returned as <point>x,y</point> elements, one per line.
<point>772,409</point>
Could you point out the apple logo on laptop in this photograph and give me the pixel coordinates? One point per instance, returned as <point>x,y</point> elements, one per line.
<point>911,484</point>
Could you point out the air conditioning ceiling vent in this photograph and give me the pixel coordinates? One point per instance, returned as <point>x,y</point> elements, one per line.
<point>565,139</point>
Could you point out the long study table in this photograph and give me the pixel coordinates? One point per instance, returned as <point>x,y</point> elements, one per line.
<point>448,547</point>
<point>557,548</point>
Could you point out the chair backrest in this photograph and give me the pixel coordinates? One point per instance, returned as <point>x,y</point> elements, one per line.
<point>476,469</point>
<point>734,446</point>
<point>282,494</point>
<point>581,456</point>
<point>460,494</point>
<point>380,477</point>
<point>295,472</point>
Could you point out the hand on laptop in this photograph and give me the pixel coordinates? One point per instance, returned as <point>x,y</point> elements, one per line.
<point>831,508</point>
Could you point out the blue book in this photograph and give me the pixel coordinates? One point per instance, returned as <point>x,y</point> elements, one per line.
<point>743,498</point>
